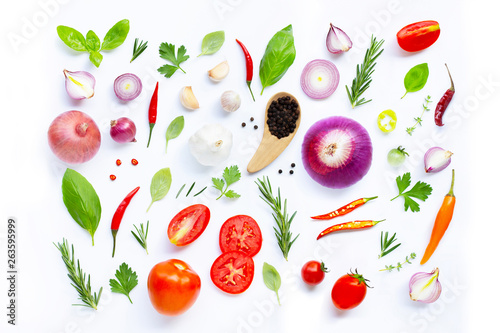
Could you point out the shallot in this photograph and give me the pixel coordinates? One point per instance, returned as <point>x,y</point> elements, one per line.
<point>80,84</point>
<point>319,79</point>
<point>425,287</point>
<point>123,130</point>
<point>436,159</point>
<point>337,40</point>
<point>127,86</point>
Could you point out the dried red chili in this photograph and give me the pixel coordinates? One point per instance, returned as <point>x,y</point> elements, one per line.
<point>353,225</point>
<point>344,209</point>
<point>153,105</point>
<point>249,65</point>
<point>118,216</point>
<point>444,101</point>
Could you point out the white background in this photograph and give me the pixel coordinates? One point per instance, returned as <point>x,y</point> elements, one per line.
<point>32,90</point>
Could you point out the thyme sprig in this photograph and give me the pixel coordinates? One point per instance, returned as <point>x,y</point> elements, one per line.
<point>142,235</point>
<point>138,48</point>
<point>418,120</point>
<point>408,260</point>
<point>386,243</point>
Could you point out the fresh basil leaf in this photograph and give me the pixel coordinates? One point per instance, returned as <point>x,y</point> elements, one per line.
<point>82,201</point>
<point>72,38</point>
<point>278,57</point>
<point>160,185</point>
<point>416,78</point>
<point>116,35</point>
<point>212,42</point>
<point>174,129</point>
<point>95,58</point>
<point>92,41</point>
<point>272,278</point>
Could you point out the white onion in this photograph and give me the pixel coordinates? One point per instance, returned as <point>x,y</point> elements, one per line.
<point>127,86</point>
<point>319,79</point>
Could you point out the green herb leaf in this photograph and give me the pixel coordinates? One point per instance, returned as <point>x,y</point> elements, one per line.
<point>231,194</point>
<point>230,176</point>
<point>126,281</point>
<point>272,279</point>
<point>82,201</point>
<point>116,35</point>
<point>95,58</point>
<point>174,129</point>
<point>138,48</point>
<point>218,184</point>
<point>278,57</point>
<point>386,243</point>
<point>72,38</point>
<point>92,41</point>
<point>212,42</point>
<point>160,185</point>
<point>416,78</point>
<point>399,265</point>
<point>420,191</point>
<point>167,52</point>
<point>141,236</point>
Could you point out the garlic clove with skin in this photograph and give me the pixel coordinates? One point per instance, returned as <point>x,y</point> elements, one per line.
<point>230,101</point>
<point>211,144</point>
<point>80,84</point>
<point>219,72</point>
<point>188,99</point>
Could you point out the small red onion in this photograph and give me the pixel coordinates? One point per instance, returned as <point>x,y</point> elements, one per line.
<point>437,159</point>
<point>337,152</point>
<point>127,86</point>
<point>425,287</point>
<point>123,130</point>
<point>337,40</point>
<point>74,137</point>
<point>319,79</point>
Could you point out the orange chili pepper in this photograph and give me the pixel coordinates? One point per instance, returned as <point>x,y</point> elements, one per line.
<point>349,226</point>
<point>344,209</point>
<point>442,222</point>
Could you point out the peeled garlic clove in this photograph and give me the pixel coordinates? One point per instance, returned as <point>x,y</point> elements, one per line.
<point>219,72</point>
<point>425,287</point>
<point>230,101</point>
<point>79,85</point>
<point>188,100</point>
<point>337,40</point>
<point>437,159</point>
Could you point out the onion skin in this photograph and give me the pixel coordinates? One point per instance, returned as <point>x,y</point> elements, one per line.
<point>79,85</point>
<point>123,130</point>
<point>337,140</point>
<point>425,287</point>
<point>74,137</point>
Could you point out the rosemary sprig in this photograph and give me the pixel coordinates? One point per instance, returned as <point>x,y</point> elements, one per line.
<point>385,243</point>
<point>418,120</point>
<point>283,234</point>
<point>138,49</point>
<point>142,235</point>
<point>363,73</point>
<point>408,260</point>
<point>180,190</point>
<point>79,279</point>
<point>190,189</point>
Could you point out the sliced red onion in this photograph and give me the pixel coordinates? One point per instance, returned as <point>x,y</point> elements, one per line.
<point>437,159</point>
<point>80,84</point>
<point>337,152</point>
<point>319,79</point>
<point>337,40</point>
<point>127,86</point>
<point>123,130</point>
<point>425,287</point>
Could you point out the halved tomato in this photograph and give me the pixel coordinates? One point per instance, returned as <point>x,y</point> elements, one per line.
<point>232,272</point>
<point>240,233</point>
<point>188,224</point>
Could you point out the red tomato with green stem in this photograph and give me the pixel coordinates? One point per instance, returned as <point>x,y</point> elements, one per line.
<point>188,224</point>
<point>173,287</point>
<point>349,291</point>
<point>313,272</point>
<point>240,233</point>
<point>418,36</point>
<point>232,272</point>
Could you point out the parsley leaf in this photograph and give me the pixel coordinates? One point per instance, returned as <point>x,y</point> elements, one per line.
<point>127,280</point>
<point>230,176</point>
<point>420,191</point>
<point>167,52</point>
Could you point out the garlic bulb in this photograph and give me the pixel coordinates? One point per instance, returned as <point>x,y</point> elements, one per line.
<point>188,100</point>
<point>230,101</point>
<point>219,72</point>
<point>79,85</point>
<point>211,144</point>
<point>425,287</point>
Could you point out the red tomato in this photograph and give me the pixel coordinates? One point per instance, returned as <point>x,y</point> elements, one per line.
<point>240,233</point>
<point>418,36</point>
<point>349,291</point>
<point>188,224</point>
<point>313,272</point>
<point>232,272</point>
<point>173,287</point>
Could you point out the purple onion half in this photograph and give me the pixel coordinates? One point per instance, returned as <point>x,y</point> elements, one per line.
<point>337,152</point>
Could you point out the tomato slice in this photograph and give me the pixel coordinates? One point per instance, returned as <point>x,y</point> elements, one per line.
<point>232,272</point>
<point>240,233</point>
<point>188,224</point>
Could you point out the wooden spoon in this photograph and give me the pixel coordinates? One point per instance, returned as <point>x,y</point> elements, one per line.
<point>271,147</point>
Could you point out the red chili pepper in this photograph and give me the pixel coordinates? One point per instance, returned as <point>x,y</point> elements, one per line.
<point>112,177</point>
<point>444,101</point>
<point>117,218</point>
<point>118,162</point>
<point>249,64</point>
<point>134,161</point>
<point>152,112</point>
<point>348,226</point>
<point>344,209</point>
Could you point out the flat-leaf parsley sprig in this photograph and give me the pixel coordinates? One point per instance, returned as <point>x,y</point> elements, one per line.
<point>230,176</point>
<point>420,191</point>
<point>167,52</point>
<point>126,280</point>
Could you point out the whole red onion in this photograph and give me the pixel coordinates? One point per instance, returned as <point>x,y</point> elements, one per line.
<point>74,137</point>
<point>123,130</point>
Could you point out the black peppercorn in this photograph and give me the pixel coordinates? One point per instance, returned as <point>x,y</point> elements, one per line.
<point>293,165</point>
<point>280,171</point>
<point>291,172</point>
<point>255,127</point>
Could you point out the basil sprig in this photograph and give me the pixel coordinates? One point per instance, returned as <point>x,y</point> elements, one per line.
<point>272,279</point>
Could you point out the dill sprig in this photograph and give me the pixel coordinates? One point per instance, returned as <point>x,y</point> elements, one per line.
<point>138,48</point>
<point>283,234</point>
<point>141,235</point>
<point>386,243</point>
<point>363,73</point>
<point>418,120</point>
<point>79,279</point>
<point>408,260</point>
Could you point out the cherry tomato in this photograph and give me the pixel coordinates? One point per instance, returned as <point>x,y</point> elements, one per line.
<point>387,120</point>
<point>188,224</point>
<point>173,287</point>
<point>240,233</point>
<point>232,272</point>
<point>418,36</point>
<point>349,291</point>
<point>313,272</point>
